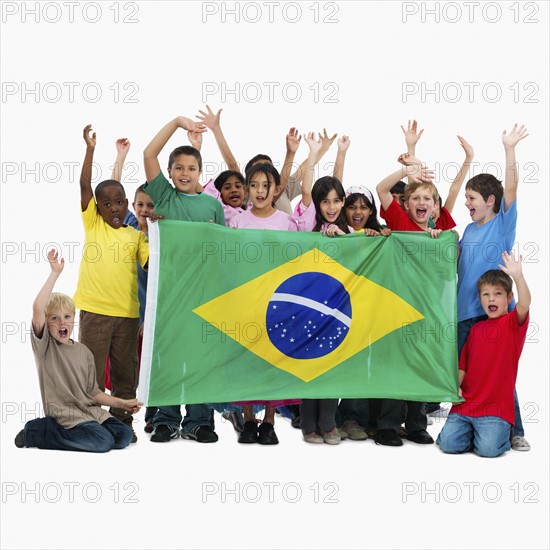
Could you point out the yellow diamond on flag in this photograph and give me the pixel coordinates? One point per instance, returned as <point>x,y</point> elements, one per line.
<point>308,315</point>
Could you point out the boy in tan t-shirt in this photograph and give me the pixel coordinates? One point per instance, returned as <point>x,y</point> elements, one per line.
<point>71,399</point>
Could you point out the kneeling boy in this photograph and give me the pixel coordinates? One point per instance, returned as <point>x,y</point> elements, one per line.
<point>488,367</point>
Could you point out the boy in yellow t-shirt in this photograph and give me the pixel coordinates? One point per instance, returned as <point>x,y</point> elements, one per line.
<point>107,290</point>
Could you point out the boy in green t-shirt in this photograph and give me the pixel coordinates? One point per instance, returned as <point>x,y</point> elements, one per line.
<point>181,202</point>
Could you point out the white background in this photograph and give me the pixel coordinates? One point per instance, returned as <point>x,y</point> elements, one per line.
<point>163,57</point>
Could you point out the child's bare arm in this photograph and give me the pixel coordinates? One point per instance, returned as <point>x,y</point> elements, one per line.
<point>307,182</point>
<point>152,151</point>
<point>43,296</point>
<point>293,139</point>
<point>86,192</point>
<point>513,268</point>
<point>212,122</point>
<point>326,142</point>
<point>411,136</point>
<point>510,141</point>
<point>454,190</point>
<point>412,169</point>
<point>130,405</point>
<point>122,147</point>
<point>343,145</point>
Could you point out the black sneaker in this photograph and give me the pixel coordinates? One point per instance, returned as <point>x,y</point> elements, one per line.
<point>267,435</point>
<point>20,439</point>
<point>202,434</point>
<point>148,428</point>
<point>388,437</point>
<point>249,433</point>
<point>134,437</point>
<point>165,433</point>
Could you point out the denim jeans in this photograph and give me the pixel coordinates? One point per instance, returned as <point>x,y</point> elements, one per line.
<point>195,416</point>
<point>463,330</point>
<point>487,436</point>
<point>46,433</point>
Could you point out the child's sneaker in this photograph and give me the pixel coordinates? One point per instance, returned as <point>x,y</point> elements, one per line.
<point>266,434</point>
<point>148,428</point>
<point>165,433</point>
<point>519,443</point>
<point>332,437</point>
<point>202,434</point>
<point>354,430</point>
<point>20,439</point>
<point>313,437</point>
<point>343,434</point>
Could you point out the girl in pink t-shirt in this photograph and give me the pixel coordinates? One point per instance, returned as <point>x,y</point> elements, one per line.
<point>262,180</point>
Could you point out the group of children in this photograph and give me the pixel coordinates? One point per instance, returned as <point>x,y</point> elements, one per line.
<point>72,374</point>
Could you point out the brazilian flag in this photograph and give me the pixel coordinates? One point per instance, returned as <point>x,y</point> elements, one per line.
<point>236,315</point>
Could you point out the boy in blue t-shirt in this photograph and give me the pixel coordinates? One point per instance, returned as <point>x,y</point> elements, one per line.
<point>492,231</point>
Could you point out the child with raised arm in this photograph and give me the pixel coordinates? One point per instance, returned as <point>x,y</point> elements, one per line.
<point>107,290</point>
<point>71,399</point>
<point>493,211</point>
<point>420,196</point>
<point>489,365</point>
<point>180,201</point>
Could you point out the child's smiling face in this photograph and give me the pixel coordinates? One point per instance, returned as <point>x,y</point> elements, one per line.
<point>420,205</point>
<point>358,214</point>
<point>331,206</point>
<point>185,173</point>
<point>233,192</point>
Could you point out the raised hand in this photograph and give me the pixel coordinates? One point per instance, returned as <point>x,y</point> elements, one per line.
<point>326,140</point>
<point>343,143</point>
<point>89,136</point>
<point>411,135</point>
<point>195,139</point>
<point>56,264</point>
<point>209,119</point>
<point>468,149</point>
<point>122,146</point>
<point>511,139</point>
<point>190,125</point>
<point>511,266</point>
<point>314,145</point>
<point>293,139</point>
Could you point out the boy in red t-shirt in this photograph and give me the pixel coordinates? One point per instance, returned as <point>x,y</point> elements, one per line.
<point>488,367</point>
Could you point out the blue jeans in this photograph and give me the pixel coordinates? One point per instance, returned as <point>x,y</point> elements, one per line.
<point>463,330</point>
<point>487,436</point>
<point>46,433</point>
<point>195,416</point>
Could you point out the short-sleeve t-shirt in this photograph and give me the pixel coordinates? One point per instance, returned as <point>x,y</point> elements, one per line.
<point>481,249</point>
<point>107,281</point>
<point>398,219</point>
<point>67,379</point>
<point>278,220</point>
<point>174,205</point>
<point>490,360</point>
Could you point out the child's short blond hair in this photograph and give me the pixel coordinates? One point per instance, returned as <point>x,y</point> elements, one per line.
<point>410,188</point>
<point>59,301</point>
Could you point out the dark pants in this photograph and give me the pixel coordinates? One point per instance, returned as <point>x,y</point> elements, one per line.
<point>356,410</point>
<point>116,337</point>
<point>46,433</point>
<point>392,411</point>
<point>318,414</point>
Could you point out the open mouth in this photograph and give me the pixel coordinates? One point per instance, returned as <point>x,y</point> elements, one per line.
<point>493,309</point>
<point>116,220</point>
<point>421,212</point>
<point>472,212</point>
<point>63,333</point>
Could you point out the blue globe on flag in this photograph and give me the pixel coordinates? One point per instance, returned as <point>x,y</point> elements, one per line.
<point>308,316</point>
